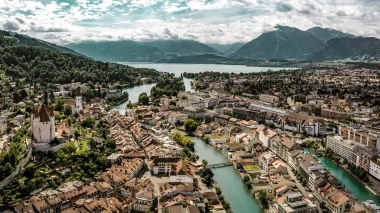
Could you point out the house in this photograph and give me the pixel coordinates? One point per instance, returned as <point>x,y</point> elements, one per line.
<point>232,147</point>
<point>282,145</point>
<point>113,94</point>
<point>114,158</point>
<point>230,130</point>
<point>181,172</point>
<point>374,168</point>
<point>265,134</point>
<point>195,112</point>
<point>306,165</point>
<point>340,202</point>
<point>177,117</point>
<point>144,198</point>
<point>295,202</point>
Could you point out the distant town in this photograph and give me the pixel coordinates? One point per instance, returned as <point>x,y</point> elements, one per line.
<point>75,148</point>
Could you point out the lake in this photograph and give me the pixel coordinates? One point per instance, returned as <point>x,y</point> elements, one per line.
<point>177,69</point>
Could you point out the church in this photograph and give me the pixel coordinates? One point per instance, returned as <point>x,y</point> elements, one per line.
<point>78,107</point>
<point>43,125</point>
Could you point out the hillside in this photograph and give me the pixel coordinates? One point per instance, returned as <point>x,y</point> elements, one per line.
<point>181,47</point>
<point>325,34</point>
<point>118,51</point>
<point>283,43</point>
<point>357,49</point>
<point>46,65</point>
<point>227,49</point>
<point>26,40</point>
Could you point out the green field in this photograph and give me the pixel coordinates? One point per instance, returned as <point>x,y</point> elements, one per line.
<point>252,168</point>
<point>82,146</point>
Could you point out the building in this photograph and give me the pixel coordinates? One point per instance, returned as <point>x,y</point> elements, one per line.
<point>268,98</point>
<point>295,203</point>
<point>195,112</point>
<point>230,130</point>
<point>262,108</point>
<point>374,168</point>
<point>113,94</point>
<point>364,156</point>
<point>43,125</point>
<point>343,148</point>
<point>340,202</point>
<point>175,117</point>
<point>306,165</point>
<point>162,165</point>
<point>3,124</point>
<point>358,134</point>
<point>144,198</point>
<point>114,158</point>
<point>282,145</point>
<point>78,102</point>
<point>181,172</point>
<point>265,134</point>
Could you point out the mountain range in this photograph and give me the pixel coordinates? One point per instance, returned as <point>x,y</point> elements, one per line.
<point>283,43</point>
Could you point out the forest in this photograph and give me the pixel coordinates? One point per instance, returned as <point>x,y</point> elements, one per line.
<point>39,64</point>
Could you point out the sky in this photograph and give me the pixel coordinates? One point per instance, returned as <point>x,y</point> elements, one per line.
<point>208,21</point>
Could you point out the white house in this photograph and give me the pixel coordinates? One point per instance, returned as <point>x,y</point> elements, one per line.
<point>43,125</point>
<point>177,116</point>
<point>162,165</point>
<point>374,168</point>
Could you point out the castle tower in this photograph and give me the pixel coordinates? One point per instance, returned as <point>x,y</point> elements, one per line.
<point>78,101</point>
<point>43,124</point>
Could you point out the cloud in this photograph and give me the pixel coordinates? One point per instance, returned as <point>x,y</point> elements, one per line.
<point>211,21</point>
<point>284,7</point>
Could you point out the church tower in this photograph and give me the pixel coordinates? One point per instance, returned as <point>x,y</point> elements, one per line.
<point>78,101</point>
<point>43,124</point>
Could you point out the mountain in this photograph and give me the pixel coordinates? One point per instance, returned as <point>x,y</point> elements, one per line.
<point>283,43</point>
<point>227,49</point>
<point>118,51</point>
<point>326,34</point>
<point>128,50</point>
<point>181,47</point>
<point>26,40</point>
<point>357,49</point>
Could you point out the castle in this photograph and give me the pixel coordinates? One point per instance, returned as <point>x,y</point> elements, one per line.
<point>43,125</point>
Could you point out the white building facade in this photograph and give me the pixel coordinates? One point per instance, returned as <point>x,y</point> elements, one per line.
<point>374,168</point>
<point>43,125</point>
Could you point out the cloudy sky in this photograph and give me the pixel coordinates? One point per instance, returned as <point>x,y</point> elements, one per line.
<point>211,21</point>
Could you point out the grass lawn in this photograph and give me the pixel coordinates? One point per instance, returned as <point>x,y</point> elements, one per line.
<point>82,146</point>
<point>251,168</point>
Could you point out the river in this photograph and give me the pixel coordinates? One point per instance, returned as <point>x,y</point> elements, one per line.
<point>229,180</point>
<point>350,183</point>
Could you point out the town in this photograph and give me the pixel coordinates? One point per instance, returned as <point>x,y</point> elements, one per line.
<point>68,148</point>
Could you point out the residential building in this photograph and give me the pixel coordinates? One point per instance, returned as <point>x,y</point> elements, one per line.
<point>175,117</point>
<point>262,108</point>
<point>374,168</point>
<point>144,198</point>
<point>268,98</point>
<point>114,94</point>
<point>340,202</point>
<point>232,147</point>
<point>295,203</point>
<point>364,156</point>
<point>114,158</point>
<point>282,145</point>
<point>230,130</point>
<point>265,134</point>
<point>195,112</point>
<point>343,148</point>
<point>306,165</point>
<point>358,134</point>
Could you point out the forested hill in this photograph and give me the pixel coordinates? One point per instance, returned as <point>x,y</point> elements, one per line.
<point>39,64</point>
<point>26,40</point>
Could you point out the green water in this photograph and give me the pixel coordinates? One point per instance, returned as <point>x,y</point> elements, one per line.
<point>350,183</point>
<point>229,180</point>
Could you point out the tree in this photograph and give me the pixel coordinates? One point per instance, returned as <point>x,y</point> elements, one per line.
<point>129,105</point>
<point>70,148</point>
<point>204,162</point>
<point>67,110</point>
<point>143,99</point>
<point>59,105</point>
<point>190,125</point>
<point>92,143</point>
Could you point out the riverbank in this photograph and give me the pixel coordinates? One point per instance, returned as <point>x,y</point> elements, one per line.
<point>350,182</point>
<point>228,179</point>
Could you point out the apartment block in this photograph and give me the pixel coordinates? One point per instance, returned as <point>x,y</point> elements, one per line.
<point>358,134</point>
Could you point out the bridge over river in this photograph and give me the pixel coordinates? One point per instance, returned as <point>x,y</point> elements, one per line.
<point>219,165</point>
